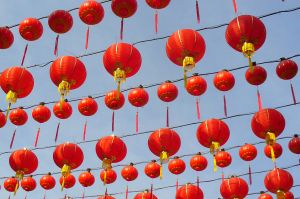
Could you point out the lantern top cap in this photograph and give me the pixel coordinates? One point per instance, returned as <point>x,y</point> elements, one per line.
<point>199,153</point>
<point>282,58</point>
<point>140,86</point>
<point>131,164</point>
<point>296,135</point>
<point>49,174</point>
<point>254,63</point>
<point>195,74</point>
<point>262,192</point>
<point>88,170</point>
<point>42,103</point>
<point>168,81</point>
<point>153,161</point>
<point>89,96</point>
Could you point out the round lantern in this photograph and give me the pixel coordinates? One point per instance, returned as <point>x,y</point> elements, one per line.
<point>145,195</point>
<point>278,181</point>
<point>108,176</point>
<point>152,169</point>
<point>6,38</point>
<point>246,34</point>
<point>248,152</point>
<point>122,60</point>
<point>68,181</point>
<point>289,195</point>
<point>294,144</point>
<point>185,48</point>
<point>91,13</point>
<point>67,156</point>
<point>234,187</point>
<point>224,81</point>
<point>196,86</point>
<point>138,97</point>
<point>67,73</point>
<point>198,162</point>
<point>106,197</point>
<point>10,184</point>
<point>123,9</point>
<point>60,22</point>
<point>2,119</point>
<point>275,148</point>
<point>62,110</point>
<point>114,100</point>
<point>18,116</point>
<point>86,179</point>
<point>110,149</point>
<point>223,159</point>
<point>176,167</point>
<point>189,191</point>
<point>16,82</point>
<point>129,173</point>
<point>47,182</point>
<point>264,195</point>
<point>31,29</point>
<point>28,184</point>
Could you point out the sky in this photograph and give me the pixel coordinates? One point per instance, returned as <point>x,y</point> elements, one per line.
<point>156,67</point>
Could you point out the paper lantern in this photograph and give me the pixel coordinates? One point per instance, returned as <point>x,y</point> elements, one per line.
<point>234,187</point>
<point>152,169</point>
<point>198,162</point>
<point>108,176</point>
<point>6,38</point>
<point>189,191</point>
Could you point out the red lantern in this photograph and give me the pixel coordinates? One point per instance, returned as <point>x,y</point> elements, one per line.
<point>122,60</point>
<point>223,159</point>
<point>68,181</point>
<point>86,179</point>
<point>60,22</point>
<point>61,110</point>
<point>10,184</point>
<point>287,69</point>
<point>185,48</point>
<point>91,13</point>
<point>152,169</point>
<point>224,81</point>
<point>196,86</point>
<point>167,92</point>
<point>18,116</point>
<point>278,181</point>
<point>275,148</point>
<point>234,187</point>
<point>123,9</point>
<point>138,97</point>
<point>256,76</point>
<point>248,152</point>
<point>129,173</point>
<point>198,162</point>
<point>145,195</point>
<point>16,82</point>
<point>67,73</point>
<point>2,119</point>
<point>157,4</point>
<point>289,195</point>
<point>264,195</point>
<point>176,166</point>
<point>110,149</point>
<point>28,184</point>
<point>108,176</point>
<point>6,38</point>
<point>246,34</point>
<point>47,182</point>
<point>106,197</point>
<point>294,144</point>
<point>67,156</point>
<point>189,191</point>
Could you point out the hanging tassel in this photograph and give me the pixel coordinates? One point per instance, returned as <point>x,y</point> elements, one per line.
<point>44,195</point>
<point>198,108</point>
<point>9,197</point>
<point>122,29</point>
<point>156,21</point>
<point>105,193</point>
<point>57,131</point>
<point>137,121</point>
<point>234,6</point>
<point>24,55</point>
<point>250,175</point>
<point>161,172</point>
<point>84,130</point>
<point>272,154</point>
<point>167,116</point>
<point>151,191</point>
<point>83,194</point>
<point>293,93</point>
<point>113,122</point>
<point>37,137</point>
<point>25,196</point>
<point>56,46</point>
<point>222,176</point>
<point>13,138</point>
<point>87,35</point>
<point>126,193</point>
<point>197,11</point>
<point>259,100</point>
<point>176,184</point>
<point>215,164</point>
<point>225,105</point>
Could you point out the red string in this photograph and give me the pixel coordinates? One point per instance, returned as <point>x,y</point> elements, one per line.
<point>293,93</point>
<point>44,195</point>
<point>9,197</point>
<point>222,176</point>
<point>113,122</point>
<point>122,29</point>
<point>225,106</point>
<point>234,6</point>
<point>156,21</point>
<point>13,138</point>
<point>56,46</point>
<point>198,109</point>
<point>137,121</point>
<point>84,130</point>
<point>151,191</point>
<point>197,11</point>
<point>24,54</point>
<point>83,194</point>
<point>126,192</point>
<point>25,196</point>
<point>37,137</point>
<point>87,38</point>
<point>259,100</point>
<point>198,184</point>
<point>57,131</point>
<point>250,175</point>
<point>176,184</point>
<point>167,116</point>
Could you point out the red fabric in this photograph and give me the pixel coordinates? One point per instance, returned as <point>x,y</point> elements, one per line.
<point>28,184</point>
<point>287,69</point>
<point>152,170</point>
<point>234,188</point>
<point>91,12</point>
<point>62,110</point>
<point>289,195</point>
<point>234,6</point>
<point>294,145</point>
<point>10,184</point>
<point>47,182</point>
<point>167,92</point>
<point>124,8</point>
<point>198,163</point>
<point>111,176</point>
<point>57,132</point>
<point>137,121</point>
<point>224,80</point>
<point>70,181</point>
<point>56,46</point>
<point>196,85</point>
<point>197,11</point>
<point>156,22</point>
<point>256,75</point>
<point>37,137</point>
<point>6,38</point>
<point>277,150</point>
<point>84,131</point>
<point>189,191</point>
<point>259,102</point>
<point>176,166</point>
<point>114,100</point>
<point>129,173</point>
<point>278,179</point>
<point>31,29</point>
<point>86,179</point>
<point>41,113</point>
<point>198,109</point>
<point>293,93</point>
<point>158,4</point>
<point>106,197</point>
<point>18,117</point>
<point>87,106</point>
<point>225,105</point>
<point>24,55</point>
<point>248,152</point>
<point>87,37</point>
<point>23,160</point>
<point>223,159</point>
<point>13,138</point>
<point>113,122</point>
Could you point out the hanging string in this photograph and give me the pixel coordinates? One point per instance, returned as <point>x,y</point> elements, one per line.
<point>156,21</point>
<point>84,130</point>
<point>250,175</point>
<point>37,137</point>
<point>293,92</point>
<point>25,196</point>
<point>223,176</point>
<point>167,116</point>
<point>13,138</point>
<point>198,108</point>
<point>197,11</point>
<point>259,100</point>
<point>234,6</point>
<point>9,197</point>
<point>24,54</point>
<point>56,46</point>
<point>225,105</point>
<point>151,191</point>
<point>83,194</point>
<point>44,194</point>
<point>176,183</point>
<point>87,38</point>
<point>57,131</point>
<point>122,29</point>
<point>137,121</point>
<point>198,183</point>
<point>113,122</point>
<point>126,193</point>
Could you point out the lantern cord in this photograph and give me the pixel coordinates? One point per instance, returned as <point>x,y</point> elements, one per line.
<point>37,137</point>
<point>151,191</point>
<point>197,11</point>
<point>113,122</point>
<point>56,45</point>
<point>9,197</point>
<point>83,193</point>
<point>176,183</point>
<point>25,196</point>
<point>225,105</point>
<point>259,101</point>
<point>156,21</point>
<point>234,6</point>
<point>223,175</point>
<point>24,54</point>
<point>57,132</point>
<point>198,108</point>
<point>167,120</point>
<point>126,192</point>
<point>137,121</point>
<point>84,130</point>
<point>122,29</point>
<point>13,138</point>
<point>87,36</point>
<point>198,181</point>
<point>250,175</point>
<point>293,93</point>
<point>44,195</point>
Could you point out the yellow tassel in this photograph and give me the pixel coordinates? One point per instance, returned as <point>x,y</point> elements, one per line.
<point>248,50</point>
<point>63,183</point>
<point>164,157</point>
<point>119,77</point>
<point>19,175</point>
<point>280,194</point>
<point>64,89</point>
<point>105,178</point>
<point>188,65</point>
<point>106,163</point>
<point>214,147</point>
<point>65,170</point>
<point>161,172</point>
<point>215,164</point>
<point>16,188</point>
<point>270,138</point>
<point>272,154</point>
<point>11,98</point>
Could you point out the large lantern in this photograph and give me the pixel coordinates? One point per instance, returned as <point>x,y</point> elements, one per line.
<point>246,34</point>
<point>47,182</point>
<point>234,187</point>
<point>189,191</point>
<point>185,48</point>
<point>123,9</point>
<point>6,38</point>
<point>110,149</point>
<point>18,117</point>
<point>67,156</point>
<point>248,152</point>
<point>122,60</point>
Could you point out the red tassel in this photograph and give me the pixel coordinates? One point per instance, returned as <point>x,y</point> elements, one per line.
<point>13,139</point>
<point>198,109</point>
<point>83,194</point>
<point>137,121</point>
<point>37,137</point>
<point>176,184</point>
<point>113,122</point>
<point>293,93</point>
<point>259,100</point>
<point>234,6</point>
<point>156,22</point>
<point>9,197</point>
<point>167,116</point>
<point>126,192</point>
<point>24,54</point>
<point>151,191</point>
<point>222,176</point>
<point>25,196</point>
<point>57,131</point>
<point>56,46</point>
<point>197,11</point>
<point>105,192</point>
<point>198,183</point>
<point>122,29</point>
<point>250,175</point>
<point>84,130</point>
<point>44,195</point>
<point>225,106</point>
<point>87,38</point>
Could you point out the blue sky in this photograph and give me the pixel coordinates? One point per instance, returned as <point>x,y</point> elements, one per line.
<point>281,42</point>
